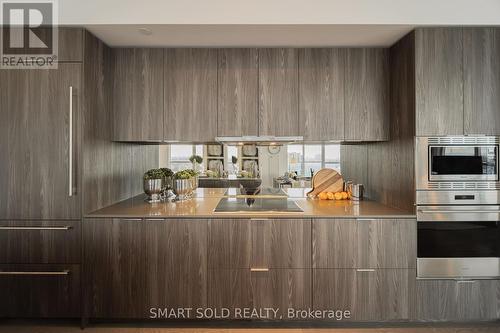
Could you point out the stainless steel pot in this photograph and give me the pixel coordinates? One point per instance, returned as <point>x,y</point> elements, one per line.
<point>184,188</point>
<point>154,188</point>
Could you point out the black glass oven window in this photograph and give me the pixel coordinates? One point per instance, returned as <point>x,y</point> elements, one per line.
<point>458,239</point>
<point>456,160</point>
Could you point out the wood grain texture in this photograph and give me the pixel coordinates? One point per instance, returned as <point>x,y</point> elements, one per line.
<point>449,300</point>
<point>381,295</point>
<point>367,95</point>
<point>482,81</point>
<point>190,81</point>
<point>35,124</point>
<point>278,288</point>
<point>238,92</point>
<point>133,265</point>
<point>40,296</point>
<point>439,81</point>
<point>138,94</point>
<point>111,170</point>
<point>326,180</point>
<point>362,244</point>
<point>281,243</point>
<point>321,94</point>
<point>278,92</point>
<point>40,246</point>
<point>266,243</point>
<point>354,163</point>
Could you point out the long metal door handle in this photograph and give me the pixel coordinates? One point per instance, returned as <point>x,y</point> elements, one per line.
<point>259,269</point>
<point>365,270</point>
<point>70,144</point>
<point>65,272</point>
<point>34,228</point>
<point>459,211</point>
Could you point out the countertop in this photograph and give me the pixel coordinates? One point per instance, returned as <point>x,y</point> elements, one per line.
<point>205,200</point>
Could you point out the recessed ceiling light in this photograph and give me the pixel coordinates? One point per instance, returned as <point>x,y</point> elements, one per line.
<point>145,31</point>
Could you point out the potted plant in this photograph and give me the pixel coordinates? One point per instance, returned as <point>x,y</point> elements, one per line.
<point>196,160</point>
<point>184,183</point>
<point>154,184</point>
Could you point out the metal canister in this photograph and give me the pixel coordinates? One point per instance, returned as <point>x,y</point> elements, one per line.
<point>357,192</point>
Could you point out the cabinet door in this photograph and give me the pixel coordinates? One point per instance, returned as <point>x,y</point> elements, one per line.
<point>134,265</point>
<point>372,295</point>
<point>364,243</point>
<point>238,111</point>
<point>449,300</point>
<point>40,242</point>
<point>229,243</point>
<point>190,94</point>
<point>278,92</point>
<point>367,95</point>
<point>321,94</point>
<point>40,291</point>
<point>138,95</point>
<point>38,176</point>
<point>482,81</point>
<point>276,288</point>
<point>439,81</point>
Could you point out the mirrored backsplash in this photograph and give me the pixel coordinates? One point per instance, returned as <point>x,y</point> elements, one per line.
<point>277,166</point>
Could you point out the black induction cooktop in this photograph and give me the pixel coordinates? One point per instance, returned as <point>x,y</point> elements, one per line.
<point>257,205</point>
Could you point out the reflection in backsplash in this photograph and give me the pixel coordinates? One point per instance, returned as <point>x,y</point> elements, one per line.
<point>277,166</point>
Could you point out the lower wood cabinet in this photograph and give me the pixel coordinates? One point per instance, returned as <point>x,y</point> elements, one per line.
<point>134,265</point>
<point>369,294</point>
<point>38,242</point>
<point>259,243</point>
<point>450,300</point>
<point>40,291</point>
<point>277,288</point>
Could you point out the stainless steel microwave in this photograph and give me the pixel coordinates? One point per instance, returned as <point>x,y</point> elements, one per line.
<point>457,163</point>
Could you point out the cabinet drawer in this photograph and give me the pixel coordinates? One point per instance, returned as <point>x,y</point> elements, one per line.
<point>263,243</point>
<point>450,300</point>
<point>37,242</point>
<point>274,288</point>
<point>364,243</point>
<point>369,294</point>
<point>40,291</point>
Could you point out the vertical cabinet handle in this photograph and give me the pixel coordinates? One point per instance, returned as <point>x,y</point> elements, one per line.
<point>70,144</point>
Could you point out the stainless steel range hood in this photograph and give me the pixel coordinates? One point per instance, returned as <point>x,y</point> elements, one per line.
<point>259,140</point>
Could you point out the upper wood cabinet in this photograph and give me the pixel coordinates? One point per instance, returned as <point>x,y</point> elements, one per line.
<point>278,92</point>
<point>439,81</point>
<point>481,81</point>
<point>238,89</point>
<point>39,168</point>
<point>321,94</point>
<point>190,95</point>
<point>367,95</point>
<point>138,95</point>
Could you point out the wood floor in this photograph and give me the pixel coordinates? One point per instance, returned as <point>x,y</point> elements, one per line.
<point>17,327</point>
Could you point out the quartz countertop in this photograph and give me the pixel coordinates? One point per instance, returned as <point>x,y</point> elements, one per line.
<point>205,200</point>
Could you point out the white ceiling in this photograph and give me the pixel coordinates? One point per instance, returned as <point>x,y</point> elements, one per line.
<point>269,22</point>
<point>250,35</point>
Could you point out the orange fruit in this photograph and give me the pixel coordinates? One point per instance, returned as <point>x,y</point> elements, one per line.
<point>338,196</point>
<point>330,195</point>
<point>344,195</point>
<point>323,196</point>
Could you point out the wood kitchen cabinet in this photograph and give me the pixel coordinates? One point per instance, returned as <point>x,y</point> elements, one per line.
<point>259,243</point>
<point>133,265</point>
<point>364,243</point>
<point>238,90</point>
<point>450,300</point>
<point>137,94</point>
<point>481,81</point>
<point>367,94</point>
<point>190,95</point>
<point>439,90</point>
<point>39,169</point>
<point>39,291</point>
<point>278,92</point>
<point>369,295</point>
<point>321,93</point>
<point>40,242</point>
<point>276,288</point>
